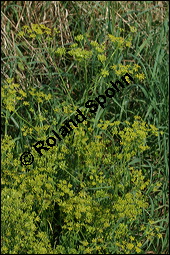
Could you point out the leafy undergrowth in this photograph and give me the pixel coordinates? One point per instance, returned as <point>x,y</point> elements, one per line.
<point>82,196</point>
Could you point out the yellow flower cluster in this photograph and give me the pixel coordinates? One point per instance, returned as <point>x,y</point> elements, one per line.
<point>100,48</point>
<point>11,95</point>
<point>39,95</point>
<point>101,57</point>
<point>130,206</point>
<point>35,29</point>
<point>129,247</point>
<point>104,72</point>
<point>133,29</point>
<point>61,51</point>
<point>100,198</point>
<point>121,69</point>
<point>79,38</point>
<point>120,41</point>
<point>74,45</point>
<point>80,54</point>
<point>151,230</point>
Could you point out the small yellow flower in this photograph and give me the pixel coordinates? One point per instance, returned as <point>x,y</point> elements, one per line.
<point>127,79</point>
<point>133,29</point>
<point>137,249</point>
<point>79,38</point>
<point>132,238</point>
<point>151,222</point>
<point>9,80</point>
<point>128,44</point>
<point>140,76</point>
<point>159,235</point>
<point>32,35</point>
<point>139,244</point>
<point>42,26</point>
<point>94,43</point>
<point>56,30</point>
<point>85,243</point>
<point>130,246</point>
<point>26,103</point>
<point>61,51</point>
<point>136,67</point>
<point>74,45</point>
<point>121,29</point>
<point>21,33</point>
<point>137,117</point>
<point>100,49</point>
<point>26,27</point>
<point>104,73</point>
<point>94,240</point>
<point>101,57</point>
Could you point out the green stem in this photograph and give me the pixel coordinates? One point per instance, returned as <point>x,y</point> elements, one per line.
<point>6,121</point>
<point>64,84</point>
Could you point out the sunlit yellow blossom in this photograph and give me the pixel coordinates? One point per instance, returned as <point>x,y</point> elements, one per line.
<point>32,35</point>
<point>74,45</point>
<point>128,44</point>
<point>133,29</point>
<point>159,235</point>
<point>151,222</point>
<point>101,58</point>
<point>42,26</point>
<point>121,29</point>
<point>140,76</point>
<point>137,249</point>
<point>136,67</point>
<point>104,73</point>
<point>61,51</point>
<point>139,244</point>
<point>21,33</point>
<point>130,246</point>
<point>94,43</point>
<point>26,103</point>
<point>99,49</point>
<point>25,27</point>
<point>79,38</point>
<point>80,54</point>
<point>85,243</point>
<point>132,238</point>
<point>10,80</point>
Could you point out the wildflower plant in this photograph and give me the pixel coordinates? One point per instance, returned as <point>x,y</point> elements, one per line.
<point>102,189</point>
<point>92,197</point>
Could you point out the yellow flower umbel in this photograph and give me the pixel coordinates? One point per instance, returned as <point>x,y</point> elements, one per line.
<point>79,38</point>
<point>104,73</point>
<point>133,29</point>
<point>101,57</point>
<point>11,95</point>
<point>80,54</point>
<point>120,42</point>
<point>100,48</point>
<point>140,76</point>
<point>121,69</point>
<point>60,51</point>
<point>36,30</point>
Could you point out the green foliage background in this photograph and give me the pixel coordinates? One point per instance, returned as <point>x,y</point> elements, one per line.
<point>104,187</point>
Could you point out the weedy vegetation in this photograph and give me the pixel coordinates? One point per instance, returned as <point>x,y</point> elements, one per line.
<point>103,189</point>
